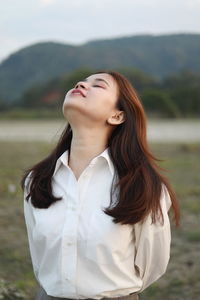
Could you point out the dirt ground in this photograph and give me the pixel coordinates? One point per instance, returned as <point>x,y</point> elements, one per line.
<point>161,131</point>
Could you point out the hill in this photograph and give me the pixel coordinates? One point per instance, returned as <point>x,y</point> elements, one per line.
<point>158,56</point>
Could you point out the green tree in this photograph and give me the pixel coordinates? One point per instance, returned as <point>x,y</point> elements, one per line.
<point>139,79</point>
<point>184,89</point>
<point>159,102</point>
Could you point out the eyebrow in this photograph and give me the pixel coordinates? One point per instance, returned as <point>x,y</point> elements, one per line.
<point>98,79</point>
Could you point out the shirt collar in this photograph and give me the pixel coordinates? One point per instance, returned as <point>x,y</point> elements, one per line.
<point>63,159</point>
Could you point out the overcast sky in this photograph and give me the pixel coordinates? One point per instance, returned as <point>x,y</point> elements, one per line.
<point>25,22</point>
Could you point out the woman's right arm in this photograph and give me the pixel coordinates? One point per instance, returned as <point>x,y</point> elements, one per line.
<point>30,223</point>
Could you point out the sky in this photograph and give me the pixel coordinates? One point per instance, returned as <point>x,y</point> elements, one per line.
<point>26,22</point>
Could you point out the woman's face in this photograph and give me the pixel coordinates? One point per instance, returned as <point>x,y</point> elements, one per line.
<point>96,100</point>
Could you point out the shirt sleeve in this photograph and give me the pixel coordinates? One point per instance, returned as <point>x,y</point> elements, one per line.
<point>153,244</point>
<point>30,222</point>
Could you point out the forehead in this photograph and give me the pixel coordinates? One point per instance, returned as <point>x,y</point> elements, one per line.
<point>107,77</point>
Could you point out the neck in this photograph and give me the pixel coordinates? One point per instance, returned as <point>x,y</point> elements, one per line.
<point>85,145</point>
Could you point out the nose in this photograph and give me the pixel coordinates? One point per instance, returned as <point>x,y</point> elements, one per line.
<point>81,84</point>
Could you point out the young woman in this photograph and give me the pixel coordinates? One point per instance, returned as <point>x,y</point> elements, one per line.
<point>96,209</point>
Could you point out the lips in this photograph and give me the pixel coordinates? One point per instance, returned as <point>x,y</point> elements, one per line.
<point>78,91</point>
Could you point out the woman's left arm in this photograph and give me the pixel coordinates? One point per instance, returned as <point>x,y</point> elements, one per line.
<point>153,245</point>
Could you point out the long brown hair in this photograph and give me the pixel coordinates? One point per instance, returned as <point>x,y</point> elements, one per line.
<point>140,180</point>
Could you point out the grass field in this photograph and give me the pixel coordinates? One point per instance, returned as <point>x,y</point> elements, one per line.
<point>182,279</point>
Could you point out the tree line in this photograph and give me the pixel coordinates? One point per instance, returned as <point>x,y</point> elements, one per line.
<point>176,96</point>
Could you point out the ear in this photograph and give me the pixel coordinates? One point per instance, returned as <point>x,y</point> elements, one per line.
<point>116,118</point>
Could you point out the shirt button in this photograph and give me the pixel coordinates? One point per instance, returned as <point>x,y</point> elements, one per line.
<point>73,208</point>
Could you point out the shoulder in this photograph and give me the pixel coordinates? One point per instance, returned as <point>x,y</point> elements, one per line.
<point>165,199</point>
<point>27,181</point>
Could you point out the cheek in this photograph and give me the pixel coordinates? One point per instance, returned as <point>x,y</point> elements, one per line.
<point>105,105</point>
<point>100,110</point>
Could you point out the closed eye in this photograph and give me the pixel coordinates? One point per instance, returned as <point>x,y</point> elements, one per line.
<point>98,86</point>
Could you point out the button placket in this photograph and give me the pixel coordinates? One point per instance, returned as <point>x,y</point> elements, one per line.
<point>69,235</point>
<point>83,183</point>
<point>70,232</point>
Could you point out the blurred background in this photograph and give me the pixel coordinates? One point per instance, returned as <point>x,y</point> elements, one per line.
<point>46,47</point>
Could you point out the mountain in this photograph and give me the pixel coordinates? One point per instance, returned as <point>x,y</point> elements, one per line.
<point>159,56</point>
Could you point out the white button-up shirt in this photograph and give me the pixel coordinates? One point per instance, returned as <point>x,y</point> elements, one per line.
<point>76,249</point>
